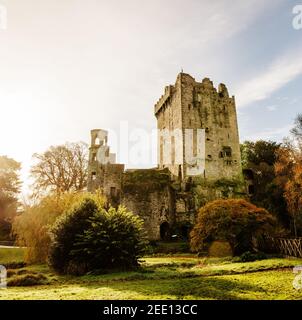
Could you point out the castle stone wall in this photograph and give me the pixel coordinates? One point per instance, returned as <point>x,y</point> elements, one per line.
<point>199,105</point>
<point>171,195</point>
<point>147,193</point>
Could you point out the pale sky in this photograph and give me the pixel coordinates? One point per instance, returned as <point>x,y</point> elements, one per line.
<point>68,66</point>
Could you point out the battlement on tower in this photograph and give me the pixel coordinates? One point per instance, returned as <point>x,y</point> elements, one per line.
<point>164,98</point>
<point>189,104</point>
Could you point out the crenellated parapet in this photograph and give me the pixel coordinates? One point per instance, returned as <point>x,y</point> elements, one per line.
<point>164,99</point>
<point>195,105</point>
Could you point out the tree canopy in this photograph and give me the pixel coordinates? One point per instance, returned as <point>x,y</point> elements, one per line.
<point>260,157</point>
<point>288,168</point>
<point>9,186</point>
<point>234,220</point>
<point>60,169</point>
<point>255,153</point>
<point>89,238</point>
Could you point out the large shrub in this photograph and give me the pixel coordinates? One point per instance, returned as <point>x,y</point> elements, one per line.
<point>31,228</point>
<point>234,220</point>
<point>89,238</point>
<point>65,231</point>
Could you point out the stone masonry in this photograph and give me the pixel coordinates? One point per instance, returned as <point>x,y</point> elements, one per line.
<point>198,105</point>
<point>168,197</point>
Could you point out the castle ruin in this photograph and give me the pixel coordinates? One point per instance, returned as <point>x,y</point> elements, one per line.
<point>198,159</point>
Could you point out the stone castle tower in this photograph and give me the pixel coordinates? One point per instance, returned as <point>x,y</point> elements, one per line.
<point>103,171</point>
<point>168,197</point>
<point>198,105</point>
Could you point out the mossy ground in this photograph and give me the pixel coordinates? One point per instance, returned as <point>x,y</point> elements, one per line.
<point>170,277</point>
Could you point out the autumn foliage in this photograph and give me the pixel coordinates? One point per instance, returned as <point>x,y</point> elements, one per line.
<point>234,220</point>
<point>289,170</point>
<point>32,226</point>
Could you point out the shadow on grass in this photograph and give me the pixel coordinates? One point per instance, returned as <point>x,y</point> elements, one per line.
<point>195,288</point>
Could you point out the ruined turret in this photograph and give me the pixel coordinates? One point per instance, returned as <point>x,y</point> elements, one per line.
<point>103,172</point>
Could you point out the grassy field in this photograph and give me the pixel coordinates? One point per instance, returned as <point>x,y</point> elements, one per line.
<point>166,277</point>
<point>11,255</point>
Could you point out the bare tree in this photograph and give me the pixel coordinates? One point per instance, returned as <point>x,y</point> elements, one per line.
<point>297,130</point>
<point>61,168</point>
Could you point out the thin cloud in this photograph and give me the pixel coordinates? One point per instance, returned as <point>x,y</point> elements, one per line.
<point>270,134</point>
<point>279,73</point>
<point>271,108</point>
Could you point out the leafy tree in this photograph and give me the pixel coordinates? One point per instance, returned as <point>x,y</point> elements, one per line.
<point>90,238</point>
<point>9,188</point>
<point>293,196</point>
<point>288,168</point>
<point>113,240</point>
<point>64,234</point>
<point>259,152</point>
<point>234,220</point>
<point>31,228</point>
<point>60,169</point>
<point>260,157</point>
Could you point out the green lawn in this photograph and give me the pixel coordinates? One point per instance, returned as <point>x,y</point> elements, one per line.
<point>169,277</point>
<point>11,255</point>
